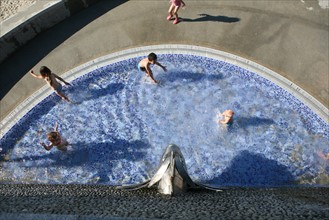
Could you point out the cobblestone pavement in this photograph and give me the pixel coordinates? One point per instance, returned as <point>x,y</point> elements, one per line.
<point>102,202</point>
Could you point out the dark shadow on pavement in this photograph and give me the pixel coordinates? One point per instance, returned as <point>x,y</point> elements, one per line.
<point>249,169</point>
<point>18,64</point>
<point>218,18</point>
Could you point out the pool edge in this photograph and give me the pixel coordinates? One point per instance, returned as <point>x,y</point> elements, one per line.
<point>14,116</point>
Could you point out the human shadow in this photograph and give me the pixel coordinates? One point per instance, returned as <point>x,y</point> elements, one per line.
<point>218,18</point>
<point>46,105</point>
<point>81,153</point>
<point>94,93</point>
<point>249,169</point>
<point>37,48</point>
<point>97,156</point>
<point>190,76</point>
<point>245,122</point>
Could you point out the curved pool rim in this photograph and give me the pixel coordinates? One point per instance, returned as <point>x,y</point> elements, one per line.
<point>24,107</point>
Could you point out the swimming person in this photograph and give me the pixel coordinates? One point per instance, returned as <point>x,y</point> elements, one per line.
<point>324,156</point>
<point>55,140</point>
<point>144,65</point>
<point>226,117</point>
<point>50,78</point>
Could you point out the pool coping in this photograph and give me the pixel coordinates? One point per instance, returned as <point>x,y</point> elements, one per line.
<point>24,107</point>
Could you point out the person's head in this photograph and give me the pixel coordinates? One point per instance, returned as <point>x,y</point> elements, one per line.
<point>45,71</point>
<point>152,57</point>
<point>53,136</point>
<point>230,112</point>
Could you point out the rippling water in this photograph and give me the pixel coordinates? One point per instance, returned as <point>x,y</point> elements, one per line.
<point>123,123</point>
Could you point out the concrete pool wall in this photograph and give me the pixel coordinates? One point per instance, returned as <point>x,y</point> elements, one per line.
<point>17,30</point>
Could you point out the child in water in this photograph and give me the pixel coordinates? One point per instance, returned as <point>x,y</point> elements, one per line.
<point>226,117</point>
<point>55,140</point>
<point>173,9</point>
<point>144,65</point>
<point>50,78</point>
<point>324,156</point>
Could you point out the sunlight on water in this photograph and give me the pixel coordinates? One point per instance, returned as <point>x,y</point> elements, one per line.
<point>123,123</point>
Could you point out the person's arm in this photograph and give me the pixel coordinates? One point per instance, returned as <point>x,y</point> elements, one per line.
<point>183,3</point>
<point>47,147</point>
<point>149,73</point>
<point>35,75</point>
<point>163,67</point>
<point>323,156</point>
<point>225,120</point>
<point>61,79</point>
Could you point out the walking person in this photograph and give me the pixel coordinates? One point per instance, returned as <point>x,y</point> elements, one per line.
<point>173,9</point>
<point>51,79</point>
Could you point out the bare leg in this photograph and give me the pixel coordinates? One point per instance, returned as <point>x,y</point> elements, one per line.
<point>63,146</point>
<point>171,8</point>
<point>175,14</point>
<point>60,94</point>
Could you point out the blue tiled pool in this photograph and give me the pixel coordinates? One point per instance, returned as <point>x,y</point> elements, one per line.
<point>123,122</point>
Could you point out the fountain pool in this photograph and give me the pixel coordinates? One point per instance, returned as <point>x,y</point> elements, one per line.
<point>123,122</point>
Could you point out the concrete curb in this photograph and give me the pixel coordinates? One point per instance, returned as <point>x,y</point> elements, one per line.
<point>16,31</point>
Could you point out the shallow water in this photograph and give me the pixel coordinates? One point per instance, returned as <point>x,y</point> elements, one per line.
<point>123,123</point>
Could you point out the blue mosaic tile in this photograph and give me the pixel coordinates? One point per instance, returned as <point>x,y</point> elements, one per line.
<point>123,123</point>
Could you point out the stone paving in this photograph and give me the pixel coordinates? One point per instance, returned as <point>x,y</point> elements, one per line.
<point>102,202</point>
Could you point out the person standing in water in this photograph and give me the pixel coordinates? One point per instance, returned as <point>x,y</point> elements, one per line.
<point>50,78</point>
<point>226,117</point>
<point>144,65</point>
<point>55,140</point>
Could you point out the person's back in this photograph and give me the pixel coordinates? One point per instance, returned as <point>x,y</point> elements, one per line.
<point>55,141</point>
<point>52,82</point>
<point>51,79</point>
<point>144,65</point>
